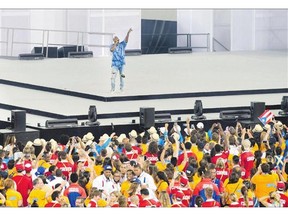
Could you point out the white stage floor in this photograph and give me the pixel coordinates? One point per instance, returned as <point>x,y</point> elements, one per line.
<point>145,75</point>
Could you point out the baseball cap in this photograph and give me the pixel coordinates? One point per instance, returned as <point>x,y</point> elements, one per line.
<point>28,167</point>
<point>179,195</point>
<point>189,171</point>
<point>200,125</point>
<point>107,167</point>
<point>19,167</point>
<point>40,171</point>
<point>183,181</point>
<point>136,180</point>
<point>281,186</point>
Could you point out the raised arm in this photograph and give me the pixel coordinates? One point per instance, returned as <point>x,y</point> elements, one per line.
<point>127,36</point>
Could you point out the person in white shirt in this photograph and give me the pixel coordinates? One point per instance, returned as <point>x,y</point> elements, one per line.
<point>147,180</point>
<point>105,182</point>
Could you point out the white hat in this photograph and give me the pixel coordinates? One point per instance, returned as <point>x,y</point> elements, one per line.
<point>177,128</point>
<point>104,137</point>
<point>200,125</point>
<point>154,137</point>
<point>43,141</point>
<point>89,136</point>
<point>279,125</point>
<point>121,137</point>
<point>162,130</point>
<point>152,130</point>
<point>37,142</point>
<point>266,127</point>
<point>133,134</point>
<point>186,131</point>
<point>246,144</point>
<point>257,128</point>
<point>54,144</point>
<point>29,144</point>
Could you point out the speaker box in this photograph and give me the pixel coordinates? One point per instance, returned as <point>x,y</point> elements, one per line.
<point>18,120</point>
<point>63,51</point>
<point>31,56</point>
<point>52,51</point>
<point>257,108</point>
<point>147,117</point>
<point>235,114</point>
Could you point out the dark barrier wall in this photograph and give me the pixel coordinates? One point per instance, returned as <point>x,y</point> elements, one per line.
<point>157,36</point>
<point>49,133</point>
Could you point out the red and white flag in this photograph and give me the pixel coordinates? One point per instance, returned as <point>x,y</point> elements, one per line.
<point>266,117</point>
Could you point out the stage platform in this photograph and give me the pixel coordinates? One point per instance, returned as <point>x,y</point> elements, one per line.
<point>62,88</point>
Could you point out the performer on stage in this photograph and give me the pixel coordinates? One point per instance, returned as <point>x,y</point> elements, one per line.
<point>118,60</point>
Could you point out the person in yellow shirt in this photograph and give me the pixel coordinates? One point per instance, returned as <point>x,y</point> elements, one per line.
<point>144,144</point>
<point>2,200</point>
<point>126,184</point>
<point>37,193</point>
<point>263,181</point>
<point>232,185</point>
<point>12,195</point>
<point>162,182</point>
<point>98,167</point>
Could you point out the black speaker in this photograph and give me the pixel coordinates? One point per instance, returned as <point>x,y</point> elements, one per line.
<point>63,51</point>
<point>31,56</point>
<point>52,51</point>
<point>18,120</point>
<point>235,114</point>
<point>257,108</point>
<point>147,117</point>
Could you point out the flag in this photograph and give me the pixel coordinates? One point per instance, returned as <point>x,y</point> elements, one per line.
<point>266,117</point>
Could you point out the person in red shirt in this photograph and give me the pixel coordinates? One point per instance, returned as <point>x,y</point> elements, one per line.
<point>56,200</point>
<point>280,190</point>
<point>65,165</point>
<point>146,202</point>
<point>210,202</point>
<point>185,189</point>
<point>234,201</point>
<point>190,154</point>
<point>152,154</point>
<point>177,196</point>
<point>202,185</point>
<point>244,200</point>
<point>247,158</point>
<point>94,196</point>
<point>114,199</point>
<point>74,190</point>
<point>222,172</point>
<point>130,152</point>
<point>236,163</point>
<point>23,183</point>
<point>219,153</point>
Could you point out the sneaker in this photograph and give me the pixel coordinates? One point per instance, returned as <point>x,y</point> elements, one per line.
<point>123,75</point>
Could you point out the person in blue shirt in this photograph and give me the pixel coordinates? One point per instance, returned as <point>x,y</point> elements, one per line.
<point>118,60</point>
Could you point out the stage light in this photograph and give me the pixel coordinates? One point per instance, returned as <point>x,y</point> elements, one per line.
<point>198,110</point>
<point>284,106</point>
<point>92,116</point>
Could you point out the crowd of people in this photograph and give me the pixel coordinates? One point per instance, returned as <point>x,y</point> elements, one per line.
<point>165,167</point>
